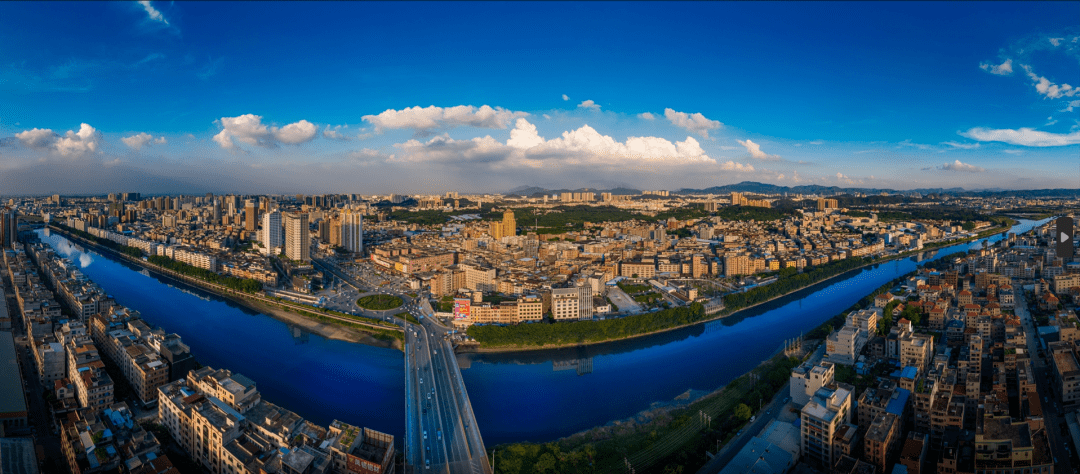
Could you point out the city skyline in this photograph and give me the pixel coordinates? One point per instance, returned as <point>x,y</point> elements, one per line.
<point>365,98</point>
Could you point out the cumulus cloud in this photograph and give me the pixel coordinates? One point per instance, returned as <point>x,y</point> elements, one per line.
<point>142,139</point>
<point>426,119</point>
<point>565,97</point>
<point>958,166</point>
<point>646,116</point>
<point>755,151</point>
<point>1056,41</point>
<point>962,146</point>
<point>733,166</point>
<point>693,123</point>
<point>250,130</point>
<point>1071,106</point>
<point>72,143</point>
<point>589,104</point>
<point>1047,88</point>
<point>152,12</point>
<point>583,147</point>
<point>1023,137</point>
<point>335,134</point>
<point>1003,69</point>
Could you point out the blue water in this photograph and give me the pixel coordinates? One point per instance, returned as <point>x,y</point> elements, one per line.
<point>516,396</point>
<point>519,397</point>
<point>318,378</point>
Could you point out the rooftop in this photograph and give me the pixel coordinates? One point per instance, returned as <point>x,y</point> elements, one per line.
<point>11,388</point>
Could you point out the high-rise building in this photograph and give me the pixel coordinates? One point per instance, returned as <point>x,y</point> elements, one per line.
<point>9,227</point>
<point>508,226</point>
<point>352,231</point>
<point>297,237</point>
<point>823,204</point>
<point>216,217</point>
<point>250,215</point>
<point>273,235</point>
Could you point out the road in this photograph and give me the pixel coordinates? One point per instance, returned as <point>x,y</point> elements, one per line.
<point>767,414</point>
<point>42,426</point>
<point>1053,417</point>
<point>440,432</point>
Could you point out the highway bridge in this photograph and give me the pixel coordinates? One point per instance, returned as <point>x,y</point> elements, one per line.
<point>440,431</point>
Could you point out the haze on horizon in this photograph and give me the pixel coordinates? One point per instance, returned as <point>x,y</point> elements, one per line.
<point>485,97</point>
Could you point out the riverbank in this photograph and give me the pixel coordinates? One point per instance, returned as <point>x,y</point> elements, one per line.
<point>667,434</point>
<point>509,348</point>
<point>326,327</point>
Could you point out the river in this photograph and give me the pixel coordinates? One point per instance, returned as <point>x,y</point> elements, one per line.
<point>531,396</point>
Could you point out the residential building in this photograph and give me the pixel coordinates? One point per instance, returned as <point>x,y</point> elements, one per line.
<point>297,237</point>
<point>806,379</point>
<point>822,416</point>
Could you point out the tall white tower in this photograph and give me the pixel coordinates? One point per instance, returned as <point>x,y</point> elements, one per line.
<point>273,235</point>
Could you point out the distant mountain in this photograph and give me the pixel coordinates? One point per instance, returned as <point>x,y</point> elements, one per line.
<point>765,188</point>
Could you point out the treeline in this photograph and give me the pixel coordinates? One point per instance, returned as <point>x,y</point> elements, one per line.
<point>246,285</point>
<point>578,332</point>
<point>789,280</point>
<point>124,249</point>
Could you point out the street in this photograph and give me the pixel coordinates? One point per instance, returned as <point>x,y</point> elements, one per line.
<point>42,428</point>
<point>1044,374</point>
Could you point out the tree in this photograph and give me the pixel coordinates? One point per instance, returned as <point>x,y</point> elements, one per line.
<point>545,463</point>
<point>742,412</point>
<point>912,314</point>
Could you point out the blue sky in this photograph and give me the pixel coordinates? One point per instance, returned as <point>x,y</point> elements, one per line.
<point>485,96</point>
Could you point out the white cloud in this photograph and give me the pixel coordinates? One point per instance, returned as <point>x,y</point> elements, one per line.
<point>1023,137</point>
<point>152,12</point>
<point>646,116</point>
<point>584,147</point>
<point>1014,152</point>
<point>1071,105</point>
<point>962,146</point>
<point>72,143</point>
<point>294,133</point>
<point>1003,69</point>
<point>816,142</point>
<point>250,130</point>
<point>432,118</point>
<point>1056,41</point>
<point>565,97</point>
<point>140,140</point>
<point>958,166</point>
<point>733,166</point>
<point>1047,88</point>
<point>755,151</point>
<point>589,104</point>
<point>335,134</point>
<point>693,123</point>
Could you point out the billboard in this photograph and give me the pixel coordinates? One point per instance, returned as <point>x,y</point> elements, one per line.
<point>462,308</point>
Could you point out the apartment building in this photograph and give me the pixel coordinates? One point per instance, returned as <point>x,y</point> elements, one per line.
<point>1066,374</point>
<point>806,379</point>
<point>572,303</point>
<point>882,440</point>
<point>93,386</point>
<point>822,417</point>
<point>235,390</point>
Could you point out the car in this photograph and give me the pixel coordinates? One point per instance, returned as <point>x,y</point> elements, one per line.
<point>439,435</point>
<point>425,434</point>
<point>427,463</point>
<point>421,380</point>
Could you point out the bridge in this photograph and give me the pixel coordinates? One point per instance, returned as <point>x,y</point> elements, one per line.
<point>441,436</point>
<point>440,433</point>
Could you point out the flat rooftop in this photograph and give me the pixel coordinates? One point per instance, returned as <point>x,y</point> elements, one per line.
<point>11,388</point>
